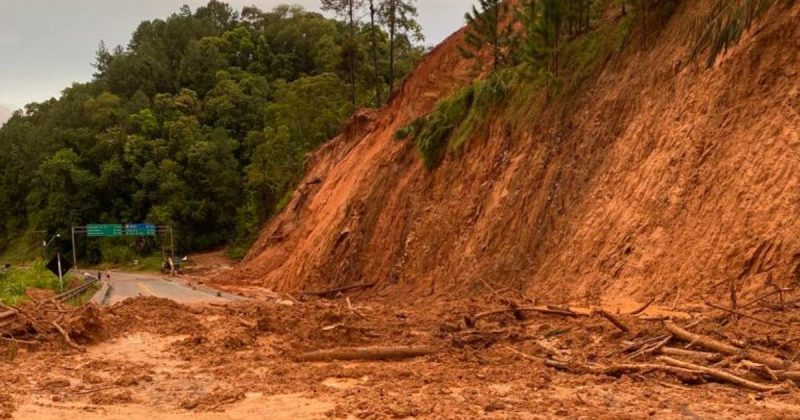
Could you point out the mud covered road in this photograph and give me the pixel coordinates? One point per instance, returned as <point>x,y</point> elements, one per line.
<point>149,358</point>
<point>130,285</point>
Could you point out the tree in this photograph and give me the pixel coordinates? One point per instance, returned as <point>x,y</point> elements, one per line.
<point>63,192</point>
<point>373,15</point>
<point>488,26</point>
<point>194,104</point>
<point>399,16</point>
<point>348,9</point>
<point>542,21</point>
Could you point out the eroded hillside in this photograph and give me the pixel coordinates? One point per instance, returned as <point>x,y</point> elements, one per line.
<point>656,178</point>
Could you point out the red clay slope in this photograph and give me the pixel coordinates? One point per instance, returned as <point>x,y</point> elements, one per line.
<point>664,178</point>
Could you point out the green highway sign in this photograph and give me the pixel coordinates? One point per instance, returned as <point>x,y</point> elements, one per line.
<point>104,230</point>
<point>140,229</point>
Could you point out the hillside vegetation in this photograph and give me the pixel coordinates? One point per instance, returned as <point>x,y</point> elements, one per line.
<point>203,121</point>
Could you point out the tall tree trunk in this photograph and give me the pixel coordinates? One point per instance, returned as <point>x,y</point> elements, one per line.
<point>392,30</point>
<point>351,12</point>
<point>373,29</point>
<point>496,35</point>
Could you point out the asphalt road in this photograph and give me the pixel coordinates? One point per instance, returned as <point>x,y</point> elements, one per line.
<point>128,285</point>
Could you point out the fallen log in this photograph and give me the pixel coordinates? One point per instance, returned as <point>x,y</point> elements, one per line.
<point>725,348</point>
<point>652,348</point>
<point>67,339</point>
<point>721,375</point>
<point>549,311</point>
<point>15,340</point>
<point>614,320</point>
<point>697,355</point>
<point>612,370</point>
<point>8,314</point>
<point>330,292</point>
<point>366,353</point>
<point>637,345</point>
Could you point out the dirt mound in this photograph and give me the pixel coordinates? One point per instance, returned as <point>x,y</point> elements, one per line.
<point>152,314</point>
<point>660,179</point>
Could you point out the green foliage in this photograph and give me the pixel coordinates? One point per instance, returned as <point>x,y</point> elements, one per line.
<point>485,95</point>
<point>488,25</point>
<point>584,55</point>
<point>203,122</point>
<point>453,120</point>
<point>14,282</point>
<point>117,253</point>
<point>723,25</point>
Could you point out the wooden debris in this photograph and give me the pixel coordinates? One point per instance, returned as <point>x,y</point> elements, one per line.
<point>14,340</point>
<point>721,375</point>
<point>725,348</point>
<point>353,310</point>
<point>614,320</point>
<point>742,314</point>
<point>8,314</point>
<point>654,348</point>
<point>366,353</point>
<point>542,310</point>
<point>332,292</point>
<point>780,291</point>
<point>68,339</point>
<point>643,307</point>
<point>697,355</point>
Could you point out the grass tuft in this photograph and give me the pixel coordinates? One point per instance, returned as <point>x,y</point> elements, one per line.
<point>14,282</point>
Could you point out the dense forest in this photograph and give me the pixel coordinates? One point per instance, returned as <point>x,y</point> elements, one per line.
<point>203,121</point>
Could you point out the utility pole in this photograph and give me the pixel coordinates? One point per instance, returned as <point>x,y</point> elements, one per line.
<point>74,254</point>
<point>60,274</point>
<point>172,248</point>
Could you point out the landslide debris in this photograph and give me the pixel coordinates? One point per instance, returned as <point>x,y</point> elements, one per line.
<point>503,354</point>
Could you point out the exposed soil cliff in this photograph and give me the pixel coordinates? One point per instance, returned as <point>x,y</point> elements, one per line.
<point>663,179</point>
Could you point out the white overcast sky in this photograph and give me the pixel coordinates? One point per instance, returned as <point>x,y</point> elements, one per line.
<point>45,45</point>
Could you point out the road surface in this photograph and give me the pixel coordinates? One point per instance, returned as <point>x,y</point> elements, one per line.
<point>128,285</point>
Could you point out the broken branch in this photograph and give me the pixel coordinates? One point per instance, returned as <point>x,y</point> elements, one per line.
<point>614,320</point>
<point>68,339</point>
<point>643,307</point>
<point>330,292</point>
<point>742,314</point>
<point>721,374</point>
<point>725,348</point>
<point>366,353</point>
<point>697,355</point>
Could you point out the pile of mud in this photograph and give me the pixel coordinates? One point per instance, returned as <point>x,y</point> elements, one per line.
<point>501,357</point>
<point>659,178</point>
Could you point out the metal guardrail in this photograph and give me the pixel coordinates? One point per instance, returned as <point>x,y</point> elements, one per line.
<point>69,294</point>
